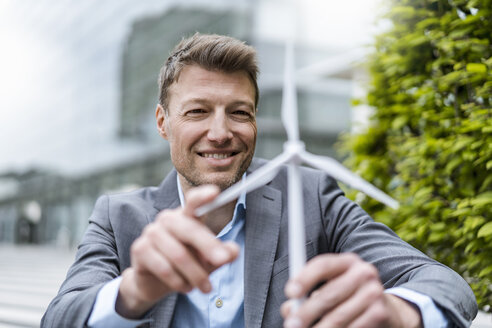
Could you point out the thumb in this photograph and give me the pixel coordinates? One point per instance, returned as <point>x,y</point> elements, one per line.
<point>199,196</point>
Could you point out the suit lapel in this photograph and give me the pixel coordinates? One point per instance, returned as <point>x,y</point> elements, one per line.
<point>166,198</point>
<point>263,215</point>
<point>167,193</point>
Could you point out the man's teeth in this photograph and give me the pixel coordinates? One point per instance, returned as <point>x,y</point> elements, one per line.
<point>219,156</point>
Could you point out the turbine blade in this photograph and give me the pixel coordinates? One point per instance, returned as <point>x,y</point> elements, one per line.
<point>257,179</point>
<point>289,95</point>
<point>341,173</point>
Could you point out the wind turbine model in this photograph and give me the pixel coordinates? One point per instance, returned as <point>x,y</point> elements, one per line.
<point>293,155</point>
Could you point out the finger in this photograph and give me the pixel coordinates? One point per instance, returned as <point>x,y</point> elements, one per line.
<point>196,235</point>
<point>349,311</point>
<point>182,260</point>
<point>204,263</point>
<point>287,308</point>
<point>374,317</point>
<point>233,249</point>
<point>336,291</point>
<point>209,267</point>
<point>146,259</point>
<point>199,196</point>
<point>392,311</point>
<point>319,269</point>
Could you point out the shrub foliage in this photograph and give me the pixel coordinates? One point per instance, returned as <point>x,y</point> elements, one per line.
<point>429,141</point>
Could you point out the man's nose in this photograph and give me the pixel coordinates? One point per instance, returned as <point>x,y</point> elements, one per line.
<point>219,130</point>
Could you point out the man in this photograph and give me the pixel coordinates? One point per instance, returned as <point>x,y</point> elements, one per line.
<point>147,260</point>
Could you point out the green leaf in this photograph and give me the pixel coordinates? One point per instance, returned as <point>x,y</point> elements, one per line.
<point>452,165</point>
<point>460,212</point>
<point>487,129</point>
<point>417,41</point>
<point>463,141</point>
<point>485,230</point>
<point>427,22</point>
<point>399,122</point>
<point>457,34</point>
<point>440,226</point>
<point>476,68</point>
<point>472,222</point>
<point>482,199</point>
<point>486,271</point>
<point>473,3</point>
<point>436,237</point>
<point>486,182</point>
<point>423,193</point>
<point>471,247</point>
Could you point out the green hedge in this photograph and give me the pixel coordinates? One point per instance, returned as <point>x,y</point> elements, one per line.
<point>429,143</point>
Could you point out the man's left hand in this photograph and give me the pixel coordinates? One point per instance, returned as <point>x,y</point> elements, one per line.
<point>350,295</point>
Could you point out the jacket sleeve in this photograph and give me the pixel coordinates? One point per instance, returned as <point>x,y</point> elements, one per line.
<point>349,229</point>
<point>96,263</point>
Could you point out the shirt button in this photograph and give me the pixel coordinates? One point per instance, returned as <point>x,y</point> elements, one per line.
<point>218,302</point>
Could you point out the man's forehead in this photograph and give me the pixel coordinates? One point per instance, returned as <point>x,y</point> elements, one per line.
<point>195,71</point>
<point>198,79</point>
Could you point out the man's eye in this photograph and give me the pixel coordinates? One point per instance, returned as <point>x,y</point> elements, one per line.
<point>241,113</point>
<point>195,112</point>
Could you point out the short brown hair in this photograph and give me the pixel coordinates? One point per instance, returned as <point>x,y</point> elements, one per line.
<point>212,52</point>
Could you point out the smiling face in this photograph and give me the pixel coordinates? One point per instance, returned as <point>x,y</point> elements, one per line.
<point>210,126</point>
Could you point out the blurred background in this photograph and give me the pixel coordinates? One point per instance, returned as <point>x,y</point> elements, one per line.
<point>78,90</point>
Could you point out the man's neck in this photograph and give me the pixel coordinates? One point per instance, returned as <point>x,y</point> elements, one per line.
<point>218,219</point>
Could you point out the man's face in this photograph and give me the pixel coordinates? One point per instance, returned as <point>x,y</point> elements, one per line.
<point>210,126</point>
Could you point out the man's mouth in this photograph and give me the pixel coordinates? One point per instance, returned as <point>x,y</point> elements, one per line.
<point>217,156</point>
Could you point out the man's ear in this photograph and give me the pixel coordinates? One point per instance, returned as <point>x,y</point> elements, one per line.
<point>160,117</point>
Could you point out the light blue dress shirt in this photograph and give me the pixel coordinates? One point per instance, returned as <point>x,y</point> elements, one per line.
<point>223,307</point>
<point>196,309</point>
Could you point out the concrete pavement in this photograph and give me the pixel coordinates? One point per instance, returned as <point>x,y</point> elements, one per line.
<point>29,278</point>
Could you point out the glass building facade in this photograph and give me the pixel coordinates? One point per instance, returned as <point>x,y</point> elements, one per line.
<point>93,131</point>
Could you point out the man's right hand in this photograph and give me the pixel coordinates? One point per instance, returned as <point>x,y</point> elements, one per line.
<point>176,252</point>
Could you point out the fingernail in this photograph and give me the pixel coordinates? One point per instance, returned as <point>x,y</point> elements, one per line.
<point>206,287</point>
<point>293,289</point>
<point>235,247</point>
<point>220,255</point>
<point>293,322</point>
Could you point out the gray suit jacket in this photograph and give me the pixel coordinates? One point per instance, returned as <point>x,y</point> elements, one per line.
<point>334,224</point>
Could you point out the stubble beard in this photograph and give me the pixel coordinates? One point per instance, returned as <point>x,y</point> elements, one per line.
<point>196,178</point>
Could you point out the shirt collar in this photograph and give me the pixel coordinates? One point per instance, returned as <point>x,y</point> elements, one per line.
<point>240,201</point>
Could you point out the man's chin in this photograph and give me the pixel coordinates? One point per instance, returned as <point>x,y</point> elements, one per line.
<point>222,179</point>
<point>224,182</point>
